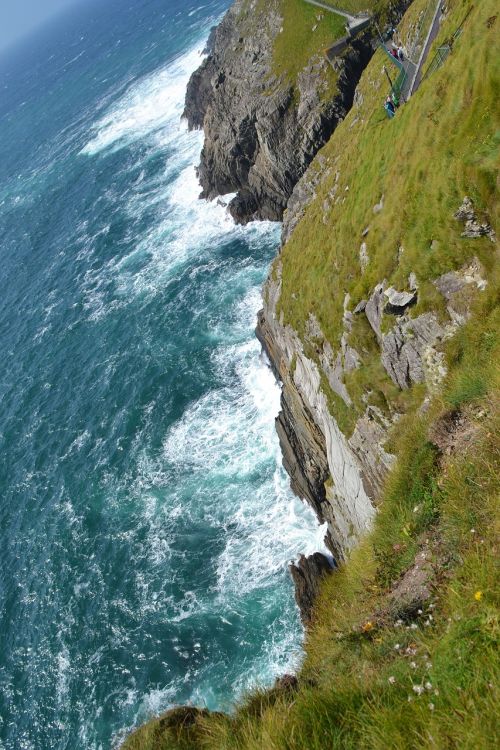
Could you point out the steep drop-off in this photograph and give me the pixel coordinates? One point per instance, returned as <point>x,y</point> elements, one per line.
<point>381,320</point>
<point>268,99</point>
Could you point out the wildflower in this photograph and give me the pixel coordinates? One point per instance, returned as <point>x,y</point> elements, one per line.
<point>431,706</point>
<point>419,611</point>
<point>478,596</point>
<point>413,626</point>
<point>428,686</point>
<point>436,691</point>
<point>413,665</point>
<point>418,689</point>
<point>397,647</point>
<point>473,531</point>
<point>391,680</point>
<point>367,626</point>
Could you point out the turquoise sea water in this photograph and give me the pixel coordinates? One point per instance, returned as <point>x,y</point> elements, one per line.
<point>146,522</point>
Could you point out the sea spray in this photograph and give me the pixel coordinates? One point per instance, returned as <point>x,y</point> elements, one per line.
<point>146,520</point>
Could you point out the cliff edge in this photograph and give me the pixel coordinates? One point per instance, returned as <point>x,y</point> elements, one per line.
<point>268,99</point>
<point>381,321</point>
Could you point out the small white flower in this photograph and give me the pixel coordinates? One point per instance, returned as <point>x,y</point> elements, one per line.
<point>391,680</point>
<point>416,508</point>
<point>414,626</point>
<point>431,706</point>
<point>397,647</point>
<point>428,686</point>
<point>473,531</point>
<point>436,692</point>
<point>419,611</point>
<point>418,689</point>
<point>413,665</point>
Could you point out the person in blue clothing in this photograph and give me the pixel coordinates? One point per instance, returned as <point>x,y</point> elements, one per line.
<point>389,108</point>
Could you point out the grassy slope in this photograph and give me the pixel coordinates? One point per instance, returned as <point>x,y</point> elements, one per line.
<point>438,148</point>
<point>298,42</point>
<point>363,674</point>
<point>307,32</point>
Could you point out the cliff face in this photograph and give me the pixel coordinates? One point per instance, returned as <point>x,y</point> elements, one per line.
<point>262,130</point>
<point>381,321</point>
<point>358,310</point>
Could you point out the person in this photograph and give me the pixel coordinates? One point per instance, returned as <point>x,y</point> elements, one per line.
<point>389,108</point>
<point>394,52</point>
<point>401,55</point>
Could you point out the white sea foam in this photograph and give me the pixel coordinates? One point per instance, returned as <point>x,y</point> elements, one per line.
<point>223,452</point>
<point>153,104</point>
<point>184,226</point>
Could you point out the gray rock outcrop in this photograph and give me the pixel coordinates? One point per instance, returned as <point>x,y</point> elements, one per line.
<point>473,227</point>
<point>262,132</point>
<point>306,575</point>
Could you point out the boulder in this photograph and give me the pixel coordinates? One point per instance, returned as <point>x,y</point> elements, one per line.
<point>307,574</point>
<point>398,301</point>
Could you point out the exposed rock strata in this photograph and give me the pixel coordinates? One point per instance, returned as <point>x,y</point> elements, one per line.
<point>261,133</point>
<point>339,476</point>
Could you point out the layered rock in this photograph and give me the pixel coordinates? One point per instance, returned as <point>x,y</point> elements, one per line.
<point>306,575</point>
<point>261,132</point>
<point>339,476</point>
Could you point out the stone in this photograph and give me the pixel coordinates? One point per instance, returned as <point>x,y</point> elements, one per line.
<point>466,211</point>
<point>363,256</point>
<point>377,208</point>
<point>307,574</point>
<point>374,309</point>
<point>287,682</point>
<point>398,301</point>
<point>360,307</point>
<point>473,228</point>
<point>456,287</point>
<point>412,282</point>
<point>404,346</point>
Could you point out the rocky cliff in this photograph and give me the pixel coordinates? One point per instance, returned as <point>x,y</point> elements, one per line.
<point>358,311</point>
<point>381,321</point>
<point>263,128</point>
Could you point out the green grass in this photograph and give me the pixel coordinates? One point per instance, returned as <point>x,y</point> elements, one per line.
<point>298,42</point>
<point>438,148</point>
<point>427,680</point>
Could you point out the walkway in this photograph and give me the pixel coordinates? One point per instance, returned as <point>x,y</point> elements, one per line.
<point>410,74</point>
<point>433,31</point>
<point>407,70</point>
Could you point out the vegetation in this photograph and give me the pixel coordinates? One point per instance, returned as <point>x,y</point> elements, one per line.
<point>387,667</point>
<point>440,147</point>
<point>307,31</point>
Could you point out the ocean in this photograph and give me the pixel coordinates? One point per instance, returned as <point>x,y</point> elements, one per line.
<point>146,521</point>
